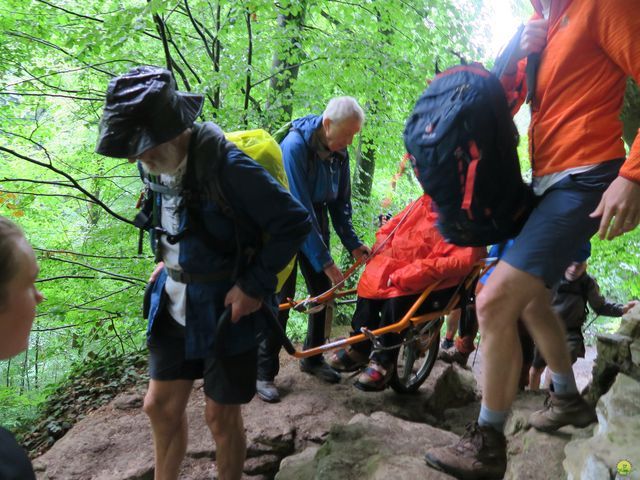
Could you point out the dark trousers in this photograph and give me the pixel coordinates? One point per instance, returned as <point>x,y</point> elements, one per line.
<point>269,348</point>
<point>374,314</point>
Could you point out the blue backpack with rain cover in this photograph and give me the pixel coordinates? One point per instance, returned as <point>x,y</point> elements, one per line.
<point>463,145</point>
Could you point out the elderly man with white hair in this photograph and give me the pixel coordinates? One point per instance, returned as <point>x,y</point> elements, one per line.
<point>317,165</point>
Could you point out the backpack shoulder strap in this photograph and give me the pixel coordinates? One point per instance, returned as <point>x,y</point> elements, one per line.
<point>207,152</point>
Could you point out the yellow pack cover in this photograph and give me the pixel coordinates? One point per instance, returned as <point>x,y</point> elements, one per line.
<point>261,147</point>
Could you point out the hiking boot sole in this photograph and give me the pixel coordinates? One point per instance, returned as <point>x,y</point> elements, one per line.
<point>370,388</point>
<point>552,428</point>
<point>463,475</point>
<point>268,399</point>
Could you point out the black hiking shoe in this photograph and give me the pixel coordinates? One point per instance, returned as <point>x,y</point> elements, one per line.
<point>347,360</point>
<point>446,344</point>
<point>481,453</point>
<point>320,369</point>
<point>561,410</point>
<point>267,391</point>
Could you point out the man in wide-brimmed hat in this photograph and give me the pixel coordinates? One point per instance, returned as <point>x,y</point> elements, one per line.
<point>203,269</point>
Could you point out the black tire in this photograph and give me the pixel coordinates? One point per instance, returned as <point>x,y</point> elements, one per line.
<point>414,364</point>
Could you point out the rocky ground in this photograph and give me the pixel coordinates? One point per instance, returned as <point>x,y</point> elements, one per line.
<point>384,433</point>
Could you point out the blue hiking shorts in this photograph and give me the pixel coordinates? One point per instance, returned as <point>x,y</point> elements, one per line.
<point>560,224</point>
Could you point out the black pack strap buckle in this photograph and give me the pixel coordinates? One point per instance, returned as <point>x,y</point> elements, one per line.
<point>163,189</point>
<point>142,220</point>
<point>184,277</point>
<point>171,238</point>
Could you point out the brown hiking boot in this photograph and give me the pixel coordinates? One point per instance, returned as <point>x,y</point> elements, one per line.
<point>480,453</point>
<point>453,355</point>
<point>563,409</point>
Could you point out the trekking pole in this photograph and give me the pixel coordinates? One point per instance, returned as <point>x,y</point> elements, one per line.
<point>221,330</point>
<point>591,322</point>
<point>224,322</point>
<point>476,352</point>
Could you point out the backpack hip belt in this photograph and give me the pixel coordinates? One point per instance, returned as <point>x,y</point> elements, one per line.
<point>184,277</point>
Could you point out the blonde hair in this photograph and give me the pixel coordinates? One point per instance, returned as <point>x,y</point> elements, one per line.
<point>10,234</point>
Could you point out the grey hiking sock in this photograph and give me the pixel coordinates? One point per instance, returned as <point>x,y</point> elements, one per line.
<point>564,382</point>
<point>492,418</point>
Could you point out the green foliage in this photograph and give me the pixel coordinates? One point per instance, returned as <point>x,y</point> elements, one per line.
<point>256,62</point>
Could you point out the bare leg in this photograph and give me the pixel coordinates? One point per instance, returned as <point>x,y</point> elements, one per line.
<point>545,378</point>
<point>227,428</point>
<point>535,375</point>
<point>548,333</point>
<point>499,305</point>
<point>165,404</point>
<point>452,323</point>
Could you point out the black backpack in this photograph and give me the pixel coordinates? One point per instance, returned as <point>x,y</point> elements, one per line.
<point>463,145</point>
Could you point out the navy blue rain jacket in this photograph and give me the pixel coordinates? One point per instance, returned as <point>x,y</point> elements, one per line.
<point>253,193</point>
<point>319,185</point>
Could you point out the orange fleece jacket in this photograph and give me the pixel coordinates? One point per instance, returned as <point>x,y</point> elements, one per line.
<point>592,47</point>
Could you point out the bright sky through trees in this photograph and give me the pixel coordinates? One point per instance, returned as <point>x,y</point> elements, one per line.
<point>502,23</point>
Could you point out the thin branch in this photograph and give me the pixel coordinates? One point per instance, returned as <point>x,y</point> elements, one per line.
<point>73,307</point>
<point>31,140</point>
<point>71,179</point>
<point>60,195</point>
<point>80,277</point>
<point>93,19</point>
<point>60,72</point>
<point>54,47</point>
<point>63,327</point>
<point>40,182</point>
<point>297,65</point>
<point>106,272</point>
<point>253,101</point>
<point>179,52</point>
<point>115,331</point>
<point>247,84</point>
<point>106,177</point>
<point>165,46</point>
<point>198,30</point>
<point>77,254</point>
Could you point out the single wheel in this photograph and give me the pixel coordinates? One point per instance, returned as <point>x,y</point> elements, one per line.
<point>416,356</point>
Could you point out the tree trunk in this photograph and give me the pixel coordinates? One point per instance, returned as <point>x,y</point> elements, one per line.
<point>365,161</point>
<point>285,67</point>
<point>35,360</point>
<point>630,115</point>
<point>24,381</point>
<point>8,382</point>
<point>365,169</point>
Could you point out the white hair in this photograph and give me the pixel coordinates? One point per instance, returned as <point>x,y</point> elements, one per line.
<point>340,109</point>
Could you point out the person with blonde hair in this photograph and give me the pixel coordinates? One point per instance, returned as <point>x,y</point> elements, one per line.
<point>18,300</point>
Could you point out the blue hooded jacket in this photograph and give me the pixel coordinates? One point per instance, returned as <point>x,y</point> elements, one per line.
<point>319,185</point>
<point>258,198</point>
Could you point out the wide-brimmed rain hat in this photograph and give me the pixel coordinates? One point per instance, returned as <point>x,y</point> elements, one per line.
<point>142,110</point>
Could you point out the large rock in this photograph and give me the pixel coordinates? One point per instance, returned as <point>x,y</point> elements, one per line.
<point>114,442</point>
<point>533,455</point>
<point>617,352</point>
<point>375,447</point>
<point>616,438</point>
<point>453,387</point>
